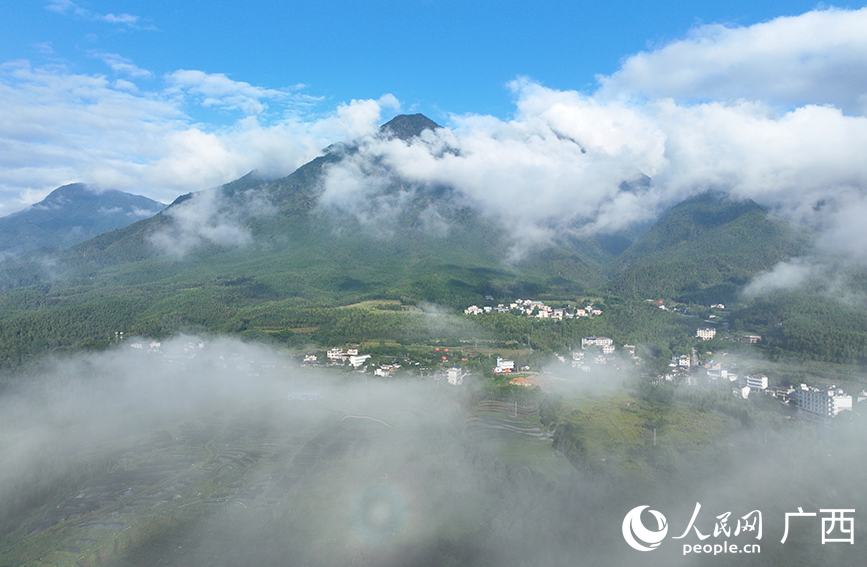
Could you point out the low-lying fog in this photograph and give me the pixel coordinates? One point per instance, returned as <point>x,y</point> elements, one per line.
<point>217,452</point>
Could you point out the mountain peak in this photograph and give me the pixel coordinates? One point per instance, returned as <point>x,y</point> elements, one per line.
<point>69,191</point>
<point>71,214</point>
<point>407,126</point>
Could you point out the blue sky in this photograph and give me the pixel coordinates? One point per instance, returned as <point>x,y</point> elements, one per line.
<point>436,57</point>
<point>552,105</point>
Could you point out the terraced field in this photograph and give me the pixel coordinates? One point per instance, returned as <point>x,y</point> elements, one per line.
<point>493,416</point>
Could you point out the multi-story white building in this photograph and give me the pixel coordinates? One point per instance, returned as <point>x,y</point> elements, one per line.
<point>455,376</point>
<point>821,403</point>
<point>756,382</point>
<point>680,361</point>
<point>357,360</point>
<point>705,334</point>
<point>596,341</point>
<point>504,366</point>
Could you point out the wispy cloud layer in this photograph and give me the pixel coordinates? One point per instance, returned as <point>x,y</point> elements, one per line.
<point>207,218</point>
<point>219,91</point>
<point>58,127</point>
<point>71,8</point>
<point>122,65</point>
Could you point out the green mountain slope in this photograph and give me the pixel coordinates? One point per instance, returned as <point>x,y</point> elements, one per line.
<point>255,253</point>
<point>703,250</point>
<point>424,246</point>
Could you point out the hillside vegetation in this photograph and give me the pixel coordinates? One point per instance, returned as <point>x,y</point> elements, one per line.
<point>273,259</point>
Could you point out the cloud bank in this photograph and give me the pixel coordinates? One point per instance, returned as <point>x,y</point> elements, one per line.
<point>212,452</point>
<point>773,112</point>
<point>815,58</point>
<point>58,127</point>
<point>671,123</point>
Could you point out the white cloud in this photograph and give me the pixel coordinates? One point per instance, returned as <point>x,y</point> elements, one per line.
<point>58,127</point>
<point>122,65</point>
<point>45,48</point>
<point>819,57</point>
<point>768,112</point>
<point>61,6</point>
<point>785,275</point>
<point>218,90</point>
<point>126,19</point>
<point>553,168</point>
<point>124,85</point>
<point>357,119</point>
<point>560,164</point>
<point>207,217</point>
<point>69,7</point>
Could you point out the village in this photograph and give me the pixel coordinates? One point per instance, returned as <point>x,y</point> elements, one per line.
<point>820,404</point>
<point>531,308</point>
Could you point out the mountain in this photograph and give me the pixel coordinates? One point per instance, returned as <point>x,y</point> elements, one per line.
<point>704,250</point>
<point>415,243</point>
<point>69,215</point>
<point>267,254</point>
<point>408,126</point>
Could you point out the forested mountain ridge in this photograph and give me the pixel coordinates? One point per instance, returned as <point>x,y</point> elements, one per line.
<point>69,215</point>
<point>234,257</point>
<point>704,250</point>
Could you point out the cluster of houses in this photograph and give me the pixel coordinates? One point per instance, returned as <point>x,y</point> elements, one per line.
<point>338,355</point>
<point>530,308</point>
<point>180,353</point>
<point>597,350</point>
<point>601,349</point>
<point>153,348</point>
<point>818,404</point>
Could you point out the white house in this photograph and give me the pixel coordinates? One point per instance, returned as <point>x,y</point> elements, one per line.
<point>357,360</point>
<point>680,360</point>
<point>504,366</point>
<point>705,334</point>
<point>757,382</point>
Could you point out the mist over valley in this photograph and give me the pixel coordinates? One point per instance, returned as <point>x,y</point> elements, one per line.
<point>263,303</point>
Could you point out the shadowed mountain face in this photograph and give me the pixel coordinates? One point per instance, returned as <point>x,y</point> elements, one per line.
<point>69,215</point>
